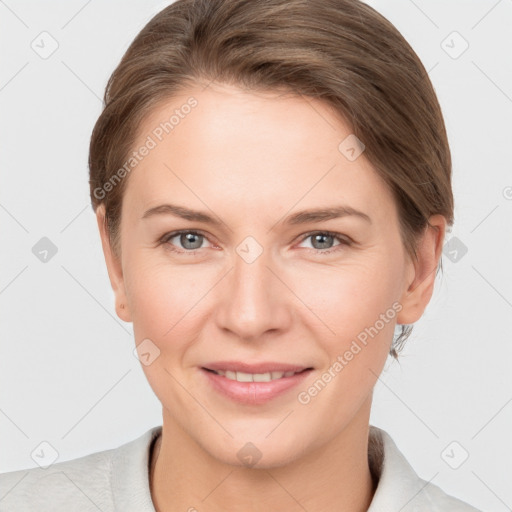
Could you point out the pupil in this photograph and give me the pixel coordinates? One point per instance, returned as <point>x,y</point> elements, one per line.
<point>189,238</point>
<point>322,236</point>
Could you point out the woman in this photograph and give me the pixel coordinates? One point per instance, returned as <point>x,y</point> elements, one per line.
<point>272,185</point>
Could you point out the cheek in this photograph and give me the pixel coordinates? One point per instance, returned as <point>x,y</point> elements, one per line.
<point>168,302</point>
<point>162,296</point>
<point>165,301</point>
<point>356,301</point>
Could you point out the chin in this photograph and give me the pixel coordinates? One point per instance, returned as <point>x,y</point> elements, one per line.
<point>255,451</point>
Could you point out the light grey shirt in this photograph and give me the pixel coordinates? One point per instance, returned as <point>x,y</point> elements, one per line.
<point>118,480</point>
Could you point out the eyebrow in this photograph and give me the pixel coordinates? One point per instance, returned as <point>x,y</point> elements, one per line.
<point>303,217</point>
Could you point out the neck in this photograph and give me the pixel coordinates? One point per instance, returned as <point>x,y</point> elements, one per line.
<point>335,477</point>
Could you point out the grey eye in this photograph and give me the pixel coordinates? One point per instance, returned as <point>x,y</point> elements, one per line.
<point>324,241</point>
<point>191,240</point>
<point>188,240</point>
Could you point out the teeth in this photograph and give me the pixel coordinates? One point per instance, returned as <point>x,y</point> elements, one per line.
<point>253,377</point>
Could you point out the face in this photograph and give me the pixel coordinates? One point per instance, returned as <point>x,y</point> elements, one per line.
<point>251,281</point>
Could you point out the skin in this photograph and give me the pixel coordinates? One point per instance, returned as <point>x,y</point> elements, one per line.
<point>251,160</point>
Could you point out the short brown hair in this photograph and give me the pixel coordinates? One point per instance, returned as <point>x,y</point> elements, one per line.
<point>342,52</point>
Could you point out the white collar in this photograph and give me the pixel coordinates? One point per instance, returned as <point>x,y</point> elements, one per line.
<point>399,488</point>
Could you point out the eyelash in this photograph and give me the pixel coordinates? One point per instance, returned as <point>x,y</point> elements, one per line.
<point>344,241</point>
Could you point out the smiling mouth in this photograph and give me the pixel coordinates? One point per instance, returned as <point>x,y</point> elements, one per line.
<point>255,377</point>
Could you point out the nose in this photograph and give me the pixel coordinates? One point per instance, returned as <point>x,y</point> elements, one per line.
<point>254,300</point>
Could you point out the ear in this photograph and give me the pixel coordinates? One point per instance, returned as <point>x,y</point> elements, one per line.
<point>114,268</point>
<point>421,272</point>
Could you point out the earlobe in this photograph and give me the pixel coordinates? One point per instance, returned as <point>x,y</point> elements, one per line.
<point>419,289</point>
<point>114,268</point>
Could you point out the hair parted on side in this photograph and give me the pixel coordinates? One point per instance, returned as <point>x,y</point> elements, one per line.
<point>342,52</point>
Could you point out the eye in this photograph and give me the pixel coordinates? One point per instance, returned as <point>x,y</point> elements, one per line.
<point>190,241</point>
<point>324,239</point>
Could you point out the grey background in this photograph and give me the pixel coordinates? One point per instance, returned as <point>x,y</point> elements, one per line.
<point>69,376</point>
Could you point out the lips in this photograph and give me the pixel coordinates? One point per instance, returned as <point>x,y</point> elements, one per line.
<point>264,367</point>
<point>253,377</point>
<point>257,391</point>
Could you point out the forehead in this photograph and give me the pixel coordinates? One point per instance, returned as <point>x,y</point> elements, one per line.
<point>254,149</point>
<point>227,114</point>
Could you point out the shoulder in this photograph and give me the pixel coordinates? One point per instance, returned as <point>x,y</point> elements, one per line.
<point>80,482</point>
<point>93,482</point>
<point>399,487</point>
<point>437,500</point>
